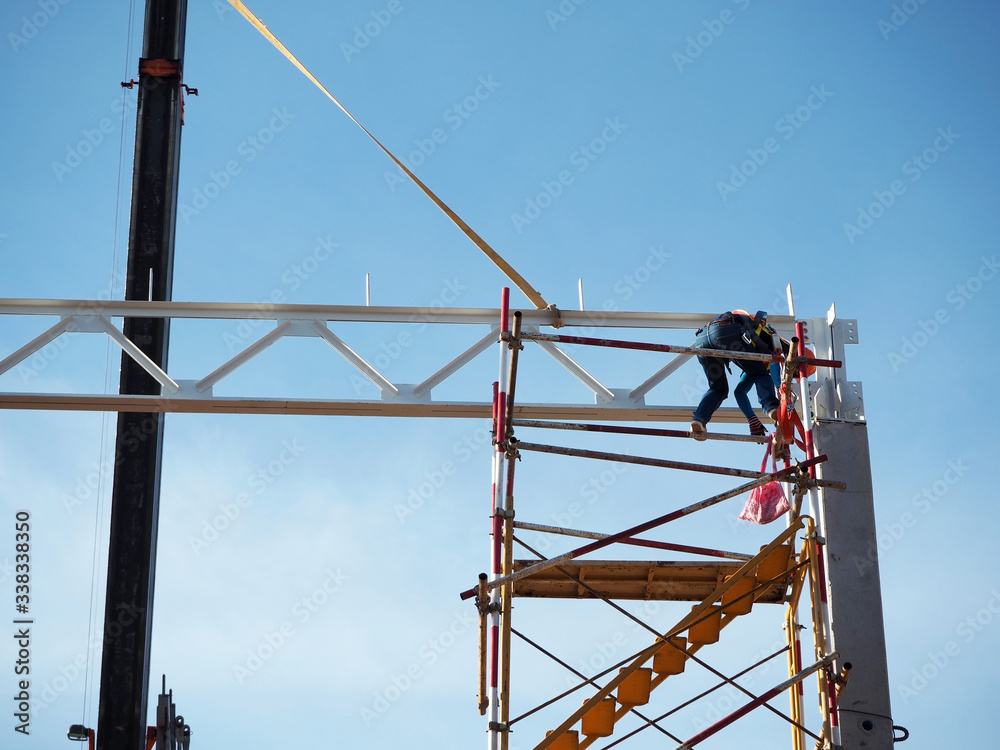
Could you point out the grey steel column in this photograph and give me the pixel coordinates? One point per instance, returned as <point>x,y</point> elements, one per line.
<point>855,592</point>
<point>135,496</point>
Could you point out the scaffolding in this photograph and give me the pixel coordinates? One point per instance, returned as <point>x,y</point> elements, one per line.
<point>843,600</point>
<point>790,570</point>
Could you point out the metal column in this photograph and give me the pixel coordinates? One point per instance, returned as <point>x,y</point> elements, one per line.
<point>138,447</point>
<point>855,592</point>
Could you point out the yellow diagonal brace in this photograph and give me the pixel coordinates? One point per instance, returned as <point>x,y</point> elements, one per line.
<point>493,255</point>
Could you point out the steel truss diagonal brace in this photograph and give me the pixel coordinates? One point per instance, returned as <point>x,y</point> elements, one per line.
<point>91,324</point>
<point>243,357</point>
<point>456,364</point>
<point>37,343</point>
<point>639,392</point>
<point>354,358</point>
<point>601,391</point>
<point>297,328</point>
<point>168,383</point>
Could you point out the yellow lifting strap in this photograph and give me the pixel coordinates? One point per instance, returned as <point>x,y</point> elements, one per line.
<point>514,276</point>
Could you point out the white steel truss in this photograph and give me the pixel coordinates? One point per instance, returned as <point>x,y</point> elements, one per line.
<point>834,395</point>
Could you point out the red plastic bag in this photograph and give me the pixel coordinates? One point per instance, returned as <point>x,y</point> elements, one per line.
<point>768,502</point>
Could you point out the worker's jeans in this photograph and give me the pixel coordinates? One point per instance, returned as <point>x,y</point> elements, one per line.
<point>730,338</point>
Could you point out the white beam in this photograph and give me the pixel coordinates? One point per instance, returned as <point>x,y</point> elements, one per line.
<point>355,313</point>
<point>187,402</point>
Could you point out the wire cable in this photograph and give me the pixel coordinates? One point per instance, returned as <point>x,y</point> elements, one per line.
<point>89,674</point>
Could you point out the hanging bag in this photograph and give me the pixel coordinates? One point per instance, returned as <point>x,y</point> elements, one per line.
<point>767,502</point>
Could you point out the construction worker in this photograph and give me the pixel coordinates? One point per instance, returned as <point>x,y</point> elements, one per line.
<point>740,394</point>
<point>746,383</point>
<point>735,331</point>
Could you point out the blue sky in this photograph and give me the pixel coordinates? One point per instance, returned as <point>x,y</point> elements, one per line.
<point>846,149</point>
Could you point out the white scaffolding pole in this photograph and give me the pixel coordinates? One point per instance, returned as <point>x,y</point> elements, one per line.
<point>496,541</point>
